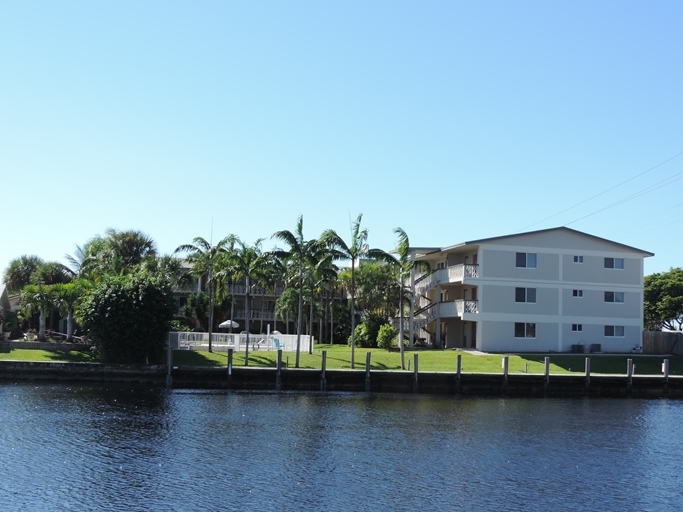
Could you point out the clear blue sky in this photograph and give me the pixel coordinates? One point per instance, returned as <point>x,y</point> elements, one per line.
<point>453,120</point>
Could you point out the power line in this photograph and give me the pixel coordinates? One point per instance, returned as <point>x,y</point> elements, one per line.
<point>649,189</point>
<point>603,192</point>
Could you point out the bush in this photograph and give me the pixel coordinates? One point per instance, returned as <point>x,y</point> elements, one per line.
<point>387,336</point>
<point>128,317</point>
<point>362,337</point>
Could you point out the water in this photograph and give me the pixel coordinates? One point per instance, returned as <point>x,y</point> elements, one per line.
<point>92,448</point>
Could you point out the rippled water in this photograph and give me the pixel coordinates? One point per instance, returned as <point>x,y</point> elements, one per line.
<point>92,448</point>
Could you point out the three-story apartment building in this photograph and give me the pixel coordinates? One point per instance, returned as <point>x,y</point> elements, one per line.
<point>550,290</point>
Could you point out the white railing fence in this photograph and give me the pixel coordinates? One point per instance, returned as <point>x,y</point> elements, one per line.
<point>221,342</point>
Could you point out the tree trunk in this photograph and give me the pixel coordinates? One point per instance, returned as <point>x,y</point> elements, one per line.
<point>300,316</point>
<point>310,325</point>
<point>400,325</point>
<point>353,313</point>
<point>41,326</point>
<point>246,322</point>
<point>70,325</point>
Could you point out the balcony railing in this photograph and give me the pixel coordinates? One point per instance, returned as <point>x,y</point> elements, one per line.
<point>452,274</point>
<point>452,309</point>
<point>241,289</point>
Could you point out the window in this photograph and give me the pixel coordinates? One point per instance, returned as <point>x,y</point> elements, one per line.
<point>614,296</point>
<point>614,331</point>
<point>440,265</point>
<point>578,259</point>
<point>617,263</point>
<point>525,295</point>
<point>577,327</point>
<point>577,293</point>
<point>526,260</point>
<point>523,330</point>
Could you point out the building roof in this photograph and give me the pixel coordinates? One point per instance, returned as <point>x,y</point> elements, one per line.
<point>561,228</point>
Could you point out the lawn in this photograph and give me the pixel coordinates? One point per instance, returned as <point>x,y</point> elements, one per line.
<point>339,356</point>
<point>71,356</point>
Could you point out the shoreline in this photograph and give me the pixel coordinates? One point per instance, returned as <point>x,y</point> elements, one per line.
<point>346,380</point>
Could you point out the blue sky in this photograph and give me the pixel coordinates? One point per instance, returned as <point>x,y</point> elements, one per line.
<point>453,120</point>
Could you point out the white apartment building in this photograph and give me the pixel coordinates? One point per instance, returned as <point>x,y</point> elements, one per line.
<point>550,290</point>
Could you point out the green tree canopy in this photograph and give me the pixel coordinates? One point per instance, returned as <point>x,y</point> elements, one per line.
<point>664,300</point>
<point>128,317</point>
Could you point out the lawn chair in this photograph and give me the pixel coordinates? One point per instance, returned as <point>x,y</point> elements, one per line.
<point>278,344</point>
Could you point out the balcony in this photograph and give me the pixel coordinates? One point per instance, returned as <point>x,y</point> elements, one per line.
<point>452,309</point>
<point>448,275</point>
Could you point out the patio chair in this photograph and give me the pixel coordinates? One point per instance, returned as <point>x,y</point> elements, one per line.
<point>278,344</point>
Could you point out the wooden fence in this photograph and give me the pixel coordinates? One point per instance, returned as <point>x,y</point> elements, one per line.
<point>660,342</point>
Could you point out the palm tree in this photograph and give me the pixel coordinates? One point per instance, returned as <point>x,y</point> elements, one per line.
<point>130,247</point>
<point>300,254</point>
<point>250,263</point>
<point>203,257</point>
<point>38,297</point>
<point>406,263</point>
<point>66,296</point>
<point>357,249</point>
<point>18,272</point>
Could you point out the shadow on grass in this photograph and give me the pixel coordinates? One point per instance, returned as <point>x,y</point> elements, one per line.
<point>72,357</point>
<point>261,361</point>
<point>195,358</point>
<point>611,364</point>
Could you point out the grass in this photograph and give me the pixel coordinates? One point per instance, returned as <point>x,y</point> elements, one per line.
<point>339,356</point>
<point>71,356</point>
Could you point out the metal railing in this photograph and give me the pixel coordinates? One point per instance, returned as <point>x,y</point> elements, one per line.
<point>452,274</point>
<point>222,342</point>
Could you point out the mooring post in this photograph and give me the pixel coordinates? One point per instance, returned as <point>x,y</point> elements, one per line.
<point>665,370</point>
<point>230,350</point>
<point>546,380</point>
<point>323,383</point>
<point>169,363</point>
<point>415,373</point>
<point>458,372</point>
<point>588,373</point>
<point>367,371</point>
<point>629,374</point>
<point>278,372</point>
<point>506,362</point>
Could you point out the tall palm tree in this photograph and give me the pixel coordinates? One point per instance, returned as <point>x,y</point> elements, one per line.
<point>203,257</point>
<point>406,264</point>
<point>300,254</point>
<point>131,246</point>
<point>65,297</point>
<point>250,263</point>
<point>357,249</point>
<point>18,272</point>
<point>38,297</point>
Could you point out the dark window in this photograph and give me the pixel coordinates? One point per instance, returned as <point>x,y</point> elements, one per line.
<point>525,260</point>
<point>523,330</point>
<point>617,263</point>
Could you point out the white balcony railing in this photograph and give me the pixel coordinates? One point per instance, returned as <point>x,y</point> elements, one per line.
<point>452,274</point>
<point>451,309</point>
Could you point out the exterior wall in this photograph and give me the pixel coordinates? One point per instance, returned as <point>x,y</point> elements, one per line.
<point>555,277</point>
<point>593,270</point>
<point>499,336</point>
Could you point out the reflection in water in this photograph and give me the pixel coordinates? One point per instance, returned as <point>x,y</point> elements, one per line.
<point>113,448</point>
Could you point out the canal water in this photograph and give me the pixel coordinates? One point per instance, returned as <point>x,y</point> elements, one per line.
<point>121,448</point>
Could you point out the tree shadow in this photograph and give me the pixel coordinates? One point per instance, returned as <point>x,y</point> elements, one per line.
<point>261,361</point>
<point>72,356</point>
<point>196,358</point>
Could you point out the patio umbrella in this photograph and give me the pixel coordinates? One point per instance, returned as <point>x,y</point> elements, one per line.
<point>228,323</point>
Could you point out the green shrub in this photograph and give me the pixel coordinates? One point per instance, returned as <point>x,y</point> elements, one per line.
<point>387,336</point>
<point>361,335</point>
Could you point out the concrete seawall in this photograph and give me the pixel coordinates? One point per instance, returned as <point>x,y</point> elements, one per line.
<point>269,379</point>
